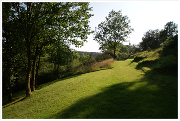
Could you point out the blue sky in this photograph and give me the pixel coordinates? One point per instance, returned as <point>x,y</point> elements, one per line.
<point>143,15</point>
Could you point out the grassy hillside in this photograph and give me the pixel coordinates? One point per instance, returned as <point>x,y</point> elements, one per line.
<point>160,70</point>
<point>132,89</point>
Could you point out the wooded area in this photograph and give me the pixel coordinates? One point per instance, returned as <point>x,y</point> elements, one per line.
<point>33,29</point>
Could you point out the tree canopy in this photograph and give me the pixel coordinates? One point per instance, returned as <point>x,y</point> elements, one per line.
<point>154,38</point>
<point>30,26</point>
<point>112,31</point>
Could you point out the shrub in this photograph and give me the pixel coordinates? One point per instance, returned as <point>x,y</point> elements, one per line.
<point>148,49</point>
<point>122,56</point>
<point>72,66</point>
<point>104,56</point>
<point>170,47</point>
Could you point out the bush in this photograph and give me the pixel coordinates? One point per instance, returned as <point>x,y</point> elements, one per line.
<point>170,47</point>
<point>72,66</point>
<point>122,56</point>
<point>104,56</point>
<point>148,49</point>
<point>169,54</point>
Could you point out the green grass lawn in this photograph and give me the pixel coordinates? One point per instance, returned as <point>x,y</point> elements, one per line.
<point>121,92</point>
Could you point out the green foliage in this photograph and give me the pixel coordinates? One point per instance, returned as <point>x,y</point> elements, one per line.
<point>12,50</point>
<point>153,38</point>
<point>112,31</point>
<point>148,49</point>
<point>170,47</point>
<point>122,56</point>
<point>122,53</point>
<point>84,59</point>
<point>170,29</point>
<point>72,66</point>
<point>105,55</point>
<point>132,48</point>
<point>60,54</point>
<point>28,28</point>
<point>150,39</point>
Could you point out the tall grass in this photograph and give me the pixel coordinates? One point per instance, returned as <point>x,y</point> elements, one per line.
<point>106,64</point>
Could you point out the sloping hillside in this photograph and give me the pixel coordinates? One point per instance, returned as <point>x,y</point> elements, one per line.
<point>125,91</point>
<point>161,70</point>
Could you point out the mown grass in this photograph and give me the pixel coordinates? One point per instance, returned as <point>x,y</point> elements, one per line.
<point>121,92</point>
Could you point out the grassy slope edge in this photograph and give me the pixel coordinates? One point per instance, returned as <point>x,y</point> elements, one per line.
<point>125,91</point>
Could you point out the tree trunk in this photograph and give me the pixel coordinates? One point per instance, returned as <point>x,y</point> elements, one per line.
<point>9,90</point>
<point>37,68</point>
<point>34,68</point>
<point>114,48</point>
<point>114,53</point>
<point>28,45</point>
<point>28,76</point>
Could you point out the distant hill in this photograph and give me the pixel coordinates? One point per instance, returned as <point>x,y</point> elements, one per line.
<point>94,53</point>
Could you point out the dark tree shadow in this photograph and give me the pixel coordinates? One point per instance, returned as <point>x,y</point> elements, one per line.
<point>165,76</point>
<point>137,59</point>
<point>148,63</point>
<point>13,101</point>
<point>120,102</point>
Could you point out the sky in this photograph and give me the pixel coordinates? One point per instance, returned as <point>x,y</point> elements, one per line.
<point>143,16</point>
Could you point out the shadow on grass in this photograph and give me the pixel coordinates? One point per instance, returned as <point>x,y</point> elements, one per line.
<point>149,64</point>
<point>164,76</point>
<point>155,97</point>
<point>13,101</point>
<point>137,59</point>
<point>45,81</point>
<point>122,101</point>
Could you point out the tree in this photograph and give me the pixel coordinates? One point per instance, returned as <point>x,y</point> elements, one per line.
<point>171,48</point>
<point>123,48</point>
<point>112,31</point>
<point>170,30</point>
<point>40,24</point>
<point>60,54</point>
<point>68,24</point>
<point>153,38</point>
<point>12,41</point>
<point>105,55</point>
<point>150,39</point>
